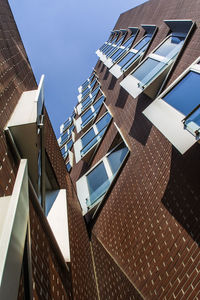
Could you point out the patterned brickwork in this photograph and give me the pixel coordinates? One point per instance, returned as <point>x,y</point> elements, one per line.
<point>108,274</point>
<point>49,278</point>
<point>84,286</point>
<point>150,221</point>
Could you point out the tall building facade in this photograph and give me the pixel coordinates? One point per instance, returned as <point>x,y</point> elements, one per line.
<point>119,216</point>
<point>131,147</point>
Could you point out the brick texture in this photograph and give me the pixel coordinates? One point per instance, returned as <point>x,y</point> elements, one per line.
<point>149,224</point>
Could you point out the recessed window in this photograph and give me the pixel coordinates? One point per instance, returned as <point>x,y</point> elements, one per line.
<point>87,144</point>
<point>92,187</point>
<point>89,99</point>
<point>88,90</point>
<point>158,64</point>
<point>132,57</point>
<point>176,113</point>
<point>68,166</point>
<point>65,149</point>
<point>66,135</point>
<point>89,114</point>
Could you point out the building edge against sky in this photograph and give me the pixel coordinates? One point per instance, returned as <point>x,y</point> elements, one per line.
<point>118,218</point>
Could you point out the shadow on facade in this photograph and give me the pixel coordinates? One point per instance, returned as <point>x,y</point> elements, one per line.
<point>122,98</point>
<point>105,77</point>
<point>102,68</point>
<point>141,126</point>
<point>182,195</point>
<point>112,83</point>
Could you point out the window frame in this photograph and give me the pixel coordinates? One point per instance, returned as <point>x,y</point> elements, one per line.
<point>160,113</point>
<point>134,87</point>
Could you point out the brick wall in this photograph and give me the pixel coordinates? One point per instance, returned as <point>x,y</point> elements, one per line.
<point>150,221</point>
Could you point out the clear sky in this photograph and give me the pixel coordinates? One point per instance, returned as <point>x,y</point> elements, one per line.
<point>61,38</point>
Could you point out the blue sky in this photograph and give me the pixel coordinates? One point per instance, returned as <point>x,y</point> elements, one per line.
<point>61,38</point>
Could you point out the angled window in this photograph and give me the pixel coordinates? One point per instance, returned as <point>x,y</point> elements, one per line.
<point>83,95</point>
<point>154,69</point>
<point>66,136</point>
<point>85,147</point>
<point>68,166</point>
<point>86,118</point>
<point>131,58</point>
<point>86,83</point>
<point>123,49</point>
<point>107,45</point>
<point>176,113</point>
<point>108,51</point>
<point>65,149</point>
<point>88,100</point>
<point>93,186</point>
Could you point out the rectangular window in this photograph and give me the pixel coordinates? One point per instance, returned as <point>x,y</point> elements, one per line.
<point>159,62</point>
<point>92,112</point>
<point>176,113</point>
<point>95,134</point>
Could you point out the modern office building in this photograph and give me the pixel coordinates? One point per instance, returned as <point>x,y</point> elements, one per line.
<point>119,216</point>
<point>132,151</point>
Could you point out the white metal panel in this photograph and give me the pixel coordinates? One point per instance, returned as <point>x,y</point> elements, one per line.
<point>82,192</point>
<point>58,220</point>
<point>78,124</point>
<point>14,218</point>
<point>77,149</point>
<point>169,121</point>
<point>131,85</point>
<point>108,62</point>
<point>116,71</point>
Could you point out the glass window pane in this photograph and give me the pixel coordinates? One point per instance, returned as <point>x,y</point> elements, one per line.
<point>116,158</point>
<point>96,178</point>
<point>69,144</point>
<point>98,102</point>
<point>142,43</point>
<point>86,101</point>
<point>171,45</point>
<point>126,59</point>
<point>127,65</point>
<point>185,95</point>
<point>148,70</point>
<point>103,122</point>
<point>117,53</point>
<point>88,137</point>
<point>129,42</point>
<point>86,115</point>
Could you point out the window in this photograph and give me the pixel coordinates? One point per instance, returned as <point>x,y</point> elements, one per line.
<point>87,144</point>
<point>95,134</point>
<point>88,90</point>
<point>65,149</point>
<point>66,135</point>
<point>91,97</point>
<point>132,56</point>
<point>68,166</point>
<point>176,113</point>
<point>86,83</point>
<point>92,187</point>
<point>89,114</point>
<point>159,62</point>
<point>122,50</point>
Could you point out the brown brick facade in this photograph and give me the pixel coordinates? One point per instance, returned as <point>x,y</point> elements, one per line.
<point>150,221</point>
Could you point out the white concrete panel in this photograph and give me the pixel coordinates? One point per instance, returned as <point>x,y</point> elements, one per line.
<point>58,220</point>
<point>103,58</point>
<point>78,124</point>
<point>14,218</point>
<point>116,71</point>
<point>108,62</point>
<point>131,85</point>
<point>79,97</point>
<point>169,121</point>
<point>77,149</point>
<point>78,108</point>
<point>82,192</point>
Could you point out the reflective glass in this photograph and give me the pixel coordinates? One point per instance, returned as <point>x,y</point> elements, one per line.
<point>148,70</point>
<point>129,41</point>
<point>116,158</point>
<point>86,115</point>
<point>86,101</point>
<point>142,43</point>
<point>98,102</point>
<point>103,122</point>
<point>88,137</point>
<point>185,95</point>
<point>96,178</point>
<point>117,54</point>
<point>169,46</point>
<point>69,144</point>
<point>193,122</point>
<point>127,65</point>
<point>68,166</point>
<point>126,59</point>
